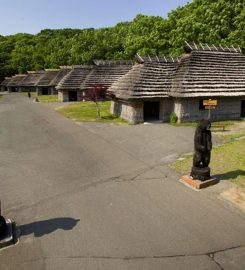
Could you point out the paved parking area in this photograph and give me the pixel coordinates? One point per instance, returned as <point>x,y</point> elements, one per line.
<point>88,196</point>
<point>151,143</point>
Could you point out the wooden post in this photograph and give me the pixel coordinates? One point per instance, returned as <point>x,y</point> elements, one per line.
<point>210,104</point>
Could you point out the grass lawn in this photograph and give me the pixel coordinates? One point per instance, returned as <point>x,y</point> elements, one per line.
<point>44,98</point>
<point>227,161</point>
<point>86,111</point>
<point>48,98</point>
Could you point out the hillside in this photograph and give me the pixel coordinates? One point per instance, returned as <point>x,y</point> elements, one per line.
<point>205,21</point>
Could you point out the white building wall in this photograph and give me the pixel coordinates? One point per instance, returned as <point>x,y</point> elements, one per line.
<point>187,109</point>
<point>131,112</point>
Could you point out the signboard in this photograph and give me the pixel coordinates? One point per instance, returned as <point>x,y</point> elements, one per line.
<point>210,102</point>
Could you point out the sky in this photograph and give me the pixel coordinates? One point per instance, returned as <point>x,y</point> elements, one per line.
<point>31,16</point>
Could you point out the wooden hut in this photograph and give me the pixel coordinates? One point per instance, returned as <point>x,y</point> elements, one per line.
<point>142,93</point>
<point>155,87</point>
<point>14,83</point>
<point>50,79</point>
<point>69,87</point>
<point>73,85</point>
<point>28,84</point>
<point>4,84</point>
<point>209,72</point>
<point>44,84</point>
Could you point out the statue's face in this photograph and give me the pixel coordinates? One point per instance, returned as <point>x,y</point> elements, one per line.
<point>204,124</point>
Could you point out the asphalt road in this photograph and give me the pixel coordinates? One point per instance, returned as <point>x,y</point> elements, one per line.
<point>102,197</point>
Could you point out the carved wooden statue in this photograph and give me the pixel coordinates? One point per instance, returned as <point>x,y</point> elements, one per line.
<point>202,151</point>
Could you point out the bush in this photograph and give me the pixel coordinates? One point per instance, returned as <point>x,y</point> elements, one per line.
<point>173,118</point>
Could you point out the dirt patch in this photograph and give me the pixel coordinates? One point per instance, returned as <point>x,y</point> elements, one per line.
<point>238,127</point>
<point>236,196</point>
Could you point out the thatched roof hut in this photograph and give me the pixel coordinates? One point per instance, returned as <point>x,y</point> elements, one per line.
<point>150,78</point>
<point>69,87</point>
<point>49,80</point>
<point>158,86</point>
<point>14,82</point>
<point>4,83</point>
<point>207,71</point>
<point>106,72</point>
<point>30,80</point>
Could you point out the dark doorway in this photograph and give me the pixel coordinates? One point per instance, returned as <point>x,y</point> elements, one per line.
<point>151,110</point>
<point>13,89</point>
<point>45,91</point>
<point>72,95</point>
<point>243,108</point>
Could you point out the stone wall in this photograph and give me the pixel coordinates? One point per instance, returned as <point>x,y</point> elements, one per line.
<point>187,109</point>
<point>54,91</point>
<point>166,107</point>
<point>51,90</point>
<point>63,95</point>
<point>132,112</point>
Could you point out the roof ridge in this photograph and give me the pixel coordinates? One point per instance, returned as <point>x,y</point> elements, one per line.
<point>82,66</point>
<point>192,46</point>
<point>157,58</point>
<point>101,62</point>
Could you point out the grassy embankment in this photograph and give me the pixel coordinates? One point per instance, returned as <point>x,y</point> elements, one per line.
<point>86,112</point>
<point>227,160</point>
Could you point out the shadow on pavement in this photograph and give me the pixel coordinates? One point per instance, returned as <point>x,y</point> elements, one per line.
<point>229,175</point>
<point>40,228</point>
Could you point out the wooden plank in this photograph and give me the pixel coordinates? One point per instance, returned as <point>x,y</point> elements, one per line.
<point>210,107</point>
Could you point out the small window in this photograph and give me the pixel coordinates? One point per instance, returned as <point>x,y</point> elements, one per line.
<point>201,106</point>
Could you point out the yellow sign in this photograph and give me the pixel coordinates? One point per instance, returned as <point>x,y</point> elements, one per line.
<point>210,102</point>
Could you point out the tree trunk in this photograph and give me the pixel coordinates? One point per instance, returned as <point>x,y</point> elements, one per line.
<point>98,110</point>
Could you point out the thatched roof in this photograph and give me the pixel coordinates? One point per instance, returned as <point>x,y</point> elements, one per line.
<point>210,72</point>
<point>6,81</point>
<point>31,78</point>
<point>16,80</point>
<point>64,70</point>
<point>149,79</point>
<point>205,70</point>
<point>74,78</point>
<point>106,72</point>
<point>47,78</point>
